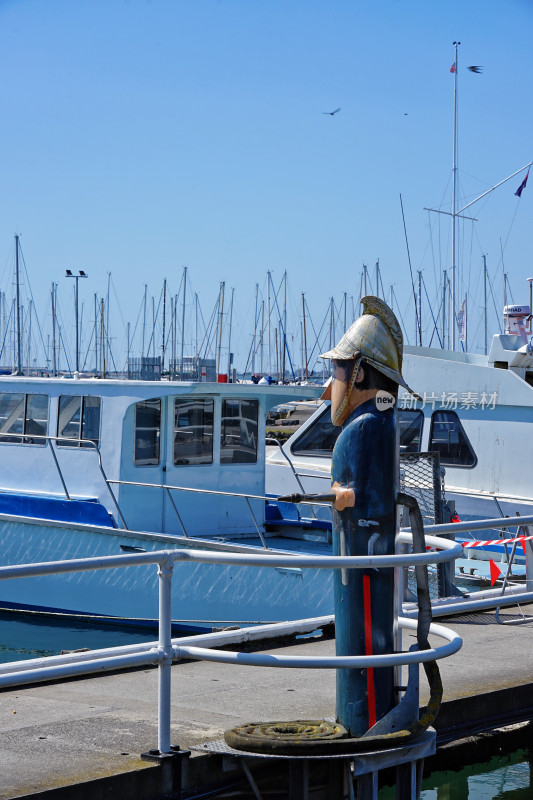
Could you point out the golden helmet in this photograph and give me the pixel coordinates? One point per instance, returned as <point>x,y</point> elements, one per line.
<point>376,337</point>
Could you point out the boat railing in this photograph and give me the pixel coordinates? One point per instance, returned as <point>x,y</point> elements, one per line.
<point>72,441</point>
<point>166,650</point>
<point>216,492</point>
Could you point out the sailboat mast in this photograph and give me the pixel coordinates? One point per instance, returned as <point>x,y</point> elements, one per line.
<point>183,317</point>
<point>144,320</point>
<point>305,337</point>
<point>454,187</point>
<point>164,324</point>
<point>444,281</point>
<point>466,324</point>
<point>255,329</point>
<point>221,305</point>
<point>106,342</point>
<point>345,304</point>
<point>30,304</point>
<point>54,364</point>
<point>18,368</point>
<point>229,335</point>
<point>269,341</point>
<point>261,342</point>
<point>485,299</point>
<point>420,307</point>
<point>128,353</point>
<point>95,336</point>
<point>284,325</point>
<point>153,326</point>
<point>196,324</point>
<point>103,336</point>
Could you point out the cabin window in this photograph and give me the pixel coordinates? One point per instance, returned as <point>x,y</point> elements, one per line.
<point>78,418</point>
<point>147,443</point>
<point>24,414</point>
<point>320,437</point>
<point>238,433</point>
<point>447,437</point>
<point>410,424</point>
<point>193,431</point>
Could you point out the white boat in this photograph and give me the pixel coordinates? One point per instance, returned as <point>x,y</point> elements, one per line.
<point>476,413</point>
<point>101,467</point>
<point>86,470</point>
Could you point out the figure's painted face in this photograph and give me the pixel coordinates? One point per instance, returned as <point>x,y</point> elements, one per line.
<point>341,386</point>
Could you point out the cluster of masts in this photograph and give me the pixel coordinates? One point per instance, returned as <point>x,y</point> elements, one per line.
<point>176,341</point>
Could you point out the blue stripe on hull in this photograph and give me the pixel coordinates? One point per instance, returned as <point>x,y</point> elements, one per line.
<point>84,616</point>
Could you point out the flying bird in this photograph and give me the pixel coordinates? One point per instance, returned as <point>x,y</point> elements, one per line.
<point>475,69</point>
<point>331,113</point>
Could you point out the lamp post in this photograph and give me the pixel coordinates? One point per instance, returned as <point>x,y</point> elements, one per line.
<point>81,274</point>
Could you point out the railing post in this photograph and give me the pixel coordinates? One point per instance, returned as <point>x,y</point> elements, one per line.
<point>164,572</point>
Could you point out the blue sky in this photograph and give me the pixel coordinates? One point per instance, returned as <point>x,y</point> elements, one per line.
<point>138,137</point>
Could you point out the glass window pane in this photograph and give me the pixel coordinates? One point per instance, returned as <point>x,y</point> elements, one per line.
<point>238,435</point>
<point>11,416</point>
<point>68,422</point>
<point>193,431</point>
<point>449,439</point>
<point>90,426</point>
<point>319,439</point>
<point>147,432</point>
<point>410,425</point>
<point>36,418</point>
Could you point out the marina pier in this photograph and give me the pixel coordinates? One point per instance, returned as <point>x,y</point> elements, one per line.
<point>83,738</point>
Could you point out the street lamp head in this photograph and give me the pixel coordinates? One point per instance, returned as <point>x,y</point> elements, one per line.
<point>69,273</point>
<point>83,274</point>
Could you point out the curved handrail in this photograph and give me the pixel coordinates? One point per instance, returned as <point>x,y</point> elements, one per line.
<point>334,662</point>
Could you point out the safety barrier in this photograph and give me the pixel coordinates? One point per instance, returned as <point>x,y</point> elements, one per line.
<point>166,650</point>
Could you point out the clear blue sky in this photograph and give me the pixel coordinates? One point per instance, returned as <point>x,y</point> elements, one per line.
<point>138,137</point>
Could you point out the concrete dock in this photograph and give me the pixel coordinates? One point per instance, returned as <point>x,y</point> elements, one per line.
<point>83,737</point>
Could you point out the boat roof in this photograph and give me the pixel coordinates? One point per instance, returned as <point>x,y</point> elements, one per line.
<point>276,393</point>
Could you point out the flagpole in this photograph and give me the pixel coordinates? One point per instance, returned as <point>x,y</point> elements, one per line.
<point>454,176</point>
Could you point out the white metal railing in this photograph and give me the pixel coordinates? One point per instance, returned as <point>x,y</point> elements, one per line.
<point>68,441</point>
<point>216,492</point>
<point>165,650</point>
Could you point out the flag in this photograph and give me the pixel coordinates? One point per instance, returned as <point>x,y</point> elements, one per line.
<point>452,68</point>
<point>522,186</point>
<point>495,572</point>
<point>461,321</point>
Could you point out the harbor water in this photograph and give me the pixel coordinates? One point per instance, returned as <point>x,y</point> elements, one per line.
<point>24,636</point>
<point>505,776</point>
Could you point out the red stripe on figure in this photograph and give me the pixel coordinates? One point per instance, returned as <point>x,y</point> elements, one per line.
<point>368,650</point>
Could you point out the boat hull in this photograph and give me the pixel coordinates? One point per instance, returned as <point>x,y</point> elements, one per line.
<point>203,595</point>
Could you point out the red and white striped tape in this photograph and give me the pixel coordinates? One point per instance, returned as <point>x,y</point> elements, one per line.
<point>484,543</point>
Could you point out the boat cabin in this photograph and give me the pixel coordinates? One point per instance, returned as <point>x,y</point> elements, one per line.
<point>475,411</point>
<point>107,452</point>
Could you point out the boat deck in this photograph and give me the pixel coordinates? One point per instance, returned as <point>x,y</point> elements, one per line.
<point>74,733</point>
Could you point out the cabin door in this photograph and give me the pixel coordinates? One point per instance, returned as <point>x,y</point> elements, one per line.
<point>191,463</point>
<point>143,462</point>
